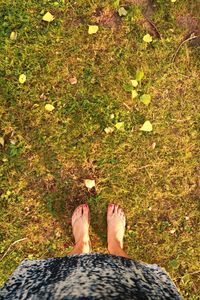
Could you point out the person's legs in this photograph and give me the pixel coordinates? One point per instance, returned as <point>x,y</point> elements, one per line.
<point>116,223</point>
<point>80,225</point>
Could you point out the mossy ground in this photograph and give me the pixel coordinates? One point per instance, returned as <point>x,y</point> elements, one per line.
<point>47,155</point>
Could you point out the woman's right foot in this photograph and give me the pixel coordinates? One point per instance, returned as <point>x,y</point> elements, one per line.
<point>116,222</point>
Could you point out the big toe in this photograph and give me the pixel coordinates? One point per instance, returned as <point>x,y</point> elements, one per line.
<point>77,213</point>
<point>110,210</point>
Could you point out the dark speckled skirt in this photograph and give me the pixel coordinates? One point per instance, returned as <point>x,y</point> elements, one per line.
<point>88,276</point>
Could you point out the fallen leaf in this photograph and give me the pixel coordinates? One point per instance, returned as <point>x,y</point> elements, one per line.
<point>56,4</point>
<point>134,94</point>
<point>93,29</point>
<point>2,141</point>
<point>116,4</point>
<point>89,183</point>
<point>146,99</point>
<point>112,116</point>
<point>147,126</point>
<point>13,35</point>
<point>48,17</point>
<point>174,264</point>
<point>134,83</point>
<point>13,141</point>
<point>49,107</point>
<point>122,11</point>
<point>139,75</point>
<point>73,80</point>
<point>120,126</point>
<point>108,130</point>
<point>147,38</point>
<point>22,78</point>
<point>173,1</point>
<point>153,145</point>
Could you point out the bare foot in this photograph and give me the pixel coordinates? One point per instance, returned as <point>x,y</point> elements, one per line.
<point>116,225</point>
<point>80,225</point>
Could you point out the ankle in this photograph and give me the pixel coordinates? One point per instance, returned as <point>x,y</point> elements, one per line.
<point>114,244</point>
<point>83,242</point>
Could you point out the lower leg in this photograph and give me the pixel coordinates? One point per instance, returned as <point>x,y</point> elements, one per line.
<point>82,247</point>
<point>114,248</point>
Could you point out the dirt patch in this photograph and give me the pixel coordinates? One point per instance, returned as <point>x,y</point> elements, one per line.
<point>76,192</point>
<point>106,17</point>
<point>147,6</point>
<point>192,25</point>
<point>49,183</point>
<point>143,3</point>
<point>188,22</point>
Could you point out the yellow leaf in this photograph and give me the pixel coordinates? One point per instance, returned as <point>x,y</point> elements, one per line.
<point>134,94</point>
<point>93,29</point>
<point>108,130</point>
<point>48,17</point>
<point>173,1</point>
<point>13,35</point>
<point>147,38</point>
<point>89,183</point>
<point>49,107</point>
<point>134,83</point>
<point>120,126</point>
<point>122,11</point>
<point>112,116</point>
<point>22,78</point>
<point>147,126</point>
<point>2,141</point>
<point>146,99</point>
<point>139,75</point>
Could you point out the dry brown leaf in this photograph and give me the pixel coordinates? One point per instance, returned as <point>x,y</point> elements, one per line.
<point>73,80</point>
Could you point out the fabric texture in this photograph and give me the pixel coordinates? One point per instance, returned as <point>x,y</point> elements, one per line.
<point>88,276</point>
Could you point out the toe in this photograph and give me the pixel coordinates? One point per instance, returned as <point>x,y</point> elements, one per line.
<point>85,210</point>
<point>86,213</point>
<point>116,209</point>
<point>120,211</point>
<point>78,210</point>
<point>110,210</point>
<point>77,213</point>
<point>121,214</point>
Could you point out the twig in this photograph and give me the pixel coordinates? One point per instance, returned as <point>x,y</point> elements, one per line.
<point>5,253</point>
<point>154,27</point>
<point>195,272</point>
<point>149,165</point>
<point>192,37</point>
<point>127,106</point>
<point>148,175</point>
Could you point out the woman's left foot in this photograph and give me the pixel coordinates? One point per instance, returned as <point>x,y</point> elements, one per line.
<point>80,225</point>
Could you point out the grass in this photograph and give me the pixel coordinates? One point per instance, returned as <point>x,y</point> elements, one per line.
<point>47,155</point>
